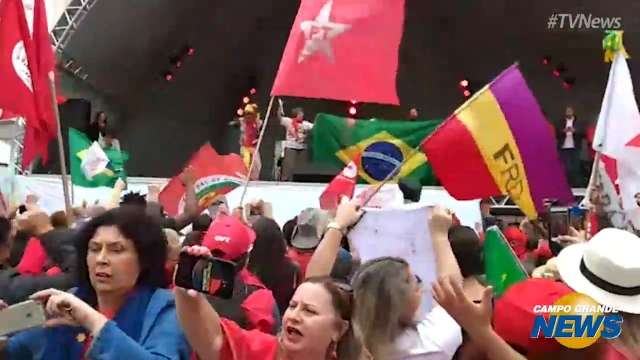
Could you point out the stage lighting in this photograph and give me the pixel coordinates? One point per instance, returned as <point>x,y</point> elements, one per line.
<point>176,61</point>
<point>354,102</point>
<point>546,60</point>
<point>190,51</point>
<point>559,70</point>
<point>464,83</point>
<point>240,112</point>
<point>245,100</point>
<point>252,91</point>
<point>466,93</point>
<point>569,82</point>
<point>168,76</point>
<point>353,111</point>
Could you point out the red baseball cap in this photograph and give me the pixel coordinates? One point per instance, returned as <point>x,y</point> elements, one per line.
<point>230,236</point>
<point>517,239</point>
<point>513,315</point>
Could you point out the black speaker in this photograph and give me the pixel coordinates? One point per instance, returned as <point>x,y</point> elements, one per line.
<point>75,113</point>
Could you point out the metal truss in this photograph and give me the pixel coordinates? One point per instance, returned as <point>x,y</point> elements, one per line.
<point>67,25</point>
<point>70,21</point>
<point>12,133</point>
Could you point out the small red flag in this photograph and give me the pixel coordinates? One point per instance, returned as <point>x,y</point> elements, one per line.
<point>344,184</point>
<point>343,50</point>
<point>215,175</point>
<point>15,69</point>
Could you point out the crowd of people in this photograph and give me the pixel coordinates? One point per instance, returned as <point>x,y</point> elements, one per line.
<point>106,283</point>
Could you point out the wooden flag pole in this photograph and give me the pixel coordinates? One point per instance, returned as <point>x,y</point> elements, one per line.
<point>63,163</point>
<point>247,179</point>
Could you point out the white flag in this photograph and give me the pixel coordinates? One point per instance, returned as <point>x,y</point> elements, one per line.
<point>618,134</point>
<point>94,161</point>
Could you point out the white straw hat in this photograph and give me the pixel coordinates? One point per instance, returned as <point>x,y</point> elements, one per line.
<point>606,268</point>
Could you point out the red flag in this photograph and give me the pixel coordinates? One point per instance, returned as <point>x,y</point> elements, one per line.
<point>6,115</point>
<point>42,129</point>
<point>15,70</point>
<point>344,184</point>
<point>215,175</point>
<point>343,50</point>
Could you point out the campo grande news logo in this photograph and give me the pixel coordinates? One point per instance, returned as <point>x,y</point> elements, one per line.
<point>576,321</point>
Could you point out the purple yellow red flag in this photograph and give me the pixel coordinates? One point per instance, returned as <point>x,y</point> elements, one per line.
<point>498,143</point>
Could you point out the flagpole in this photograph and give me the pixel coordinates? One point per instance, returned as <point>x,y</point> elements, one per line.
<point>63,163</point>
<point>256,152</point>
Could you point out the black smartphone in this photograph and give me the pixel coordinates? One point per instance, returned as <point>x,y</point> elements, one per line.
<point>558,221</point>
<point>558,225</point>
<point>208,275</point>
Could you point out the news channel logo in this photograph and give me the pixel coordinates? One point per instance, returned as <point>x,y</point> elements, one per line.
<point>576,321</point>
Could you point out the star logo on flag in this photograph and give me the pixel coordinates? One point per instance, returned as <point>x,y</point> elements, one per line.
<point>319,32</point>
<point>635,142</point>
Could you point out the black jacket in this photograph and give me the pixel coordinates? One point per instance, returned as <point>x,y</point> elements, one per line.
<point>578,135</point>
<point>59,246</point>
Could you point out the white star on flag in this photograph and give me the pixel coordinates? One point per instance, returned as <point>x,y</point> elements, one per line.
<point>319,32</point>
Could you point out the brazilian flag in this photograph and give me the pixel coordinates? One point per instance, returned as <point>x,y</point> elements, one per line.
<point>79,144</point>
<point>376,146</point>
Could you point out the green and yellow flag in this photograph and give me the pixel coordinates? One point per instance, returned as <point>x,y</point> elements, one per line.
<point>501,264</point>
<point>80,146</point>
<point>376,146</point>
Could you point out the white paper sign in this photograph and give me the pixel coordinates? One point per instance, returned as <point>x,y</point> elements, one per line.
<point>400,232</point>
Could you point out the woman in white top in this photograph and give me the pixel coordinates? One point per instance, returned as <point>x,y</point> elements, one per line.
<point>388,295</point>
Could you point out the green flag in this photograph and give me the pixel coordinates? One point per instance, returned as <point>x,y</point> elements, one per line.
<point>79,146</point>
<point>376,146</point>
<point>501,265</point>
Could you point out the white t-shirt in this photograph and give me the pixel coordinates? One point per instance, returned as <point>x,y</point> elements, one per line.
<point>568,140</point>
<point>436,337</point>
<point>295,139</point>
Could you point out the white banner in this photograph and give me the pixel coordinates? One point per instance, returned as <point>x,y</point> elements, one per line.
<point>287,199</point>
<point>402,232</point>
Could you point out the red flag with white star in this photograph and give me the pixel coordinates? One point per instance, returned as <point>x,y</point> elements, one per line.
<point>343,50</point>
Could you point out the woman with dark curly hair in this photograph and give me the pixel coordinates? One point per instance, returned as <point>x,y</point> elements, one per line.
<point>119,308</point>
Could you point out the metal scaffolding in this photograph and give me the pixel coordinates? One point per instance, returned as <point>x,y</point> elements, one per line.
<point>70,21</point>
<point>66,26</point>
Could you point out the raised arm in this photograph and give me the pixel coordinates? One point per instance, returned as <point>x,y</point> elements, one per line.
<point>446,263</point>
<point>191,209</point>
<point>198,319</point>
<point>324,257</point>
<point>474,318</point>
<point>116,193</point>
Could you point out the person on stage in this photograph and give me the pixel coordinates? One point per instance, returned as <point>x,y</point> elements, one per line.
<point>297,130</point>
<point>250,125</point>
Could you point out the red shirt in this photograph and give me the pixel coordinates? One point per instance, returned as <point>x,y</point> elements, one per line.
<point>240,344</point>
<point>249,133</point>
<point>33,258</point>
<point>302,258</point>
<point>612,353</point>
<point>259,307</point>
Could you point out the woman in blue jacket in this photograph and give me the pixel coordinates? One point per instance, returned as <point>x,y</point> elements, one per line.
<point>120,309</point>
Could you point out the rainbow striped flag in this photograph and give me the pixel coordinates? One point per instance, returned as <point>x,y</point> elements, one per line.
<point>499,143</point>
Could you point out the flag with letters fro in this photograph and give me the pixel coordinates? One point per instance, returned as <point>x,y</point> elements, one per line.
<point>343,50</point>
<point>499,143</point>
